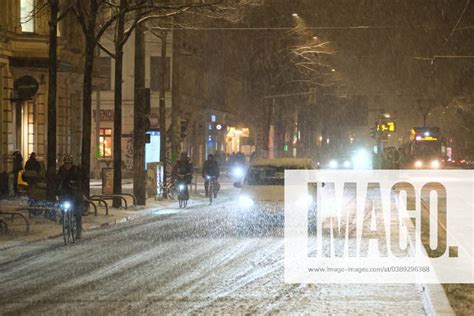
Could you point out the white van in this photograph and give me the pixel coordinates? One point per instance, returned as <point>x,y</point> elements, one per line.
<point>263,187</point>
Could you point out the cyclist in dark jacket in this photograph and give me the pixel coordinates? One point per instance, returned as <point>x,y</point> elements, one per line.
<point>210,169</point>
<point>70,179</point>
<point>182,176</point>
<point>183,168</point>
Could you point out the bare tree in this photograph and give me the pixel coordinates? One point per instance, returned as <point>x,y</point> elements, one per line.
<point>56,13</point>
<point>95,18</point>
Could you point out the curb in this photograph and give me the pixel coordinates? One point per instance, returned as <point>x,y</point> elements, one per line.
<point>434,299</point>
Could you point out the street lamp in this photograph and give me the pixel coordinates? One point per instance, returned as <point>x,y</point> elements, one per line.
<point>295,15</point>
<point>333,70</point>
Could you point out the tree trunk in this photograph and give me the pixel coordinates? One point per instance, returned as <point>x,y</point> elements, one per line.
<point>175,108</point>
<point>118,107</point>
<point>163,106</point>
<point>86,114</point>
<point>87,97</point>
<point>52,82</point>
<point>139,175</point>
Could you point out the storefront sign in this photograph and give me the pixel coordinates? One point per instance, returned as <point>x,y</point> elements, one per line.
<point>105,115</point>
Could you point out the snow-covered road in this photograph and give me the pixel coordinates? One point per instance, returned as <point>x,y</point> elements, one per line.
<point>195,261</point>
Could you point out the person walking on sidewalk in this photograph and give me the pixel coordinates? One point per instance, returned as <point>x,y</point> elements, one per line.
<point>70,179</point>
<point>211,169</point>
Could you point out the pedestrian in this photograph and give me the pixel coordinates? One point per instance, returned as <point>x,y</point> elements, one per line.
<point>33,164</point>
<point>17,167</point>
<point>32,173</point>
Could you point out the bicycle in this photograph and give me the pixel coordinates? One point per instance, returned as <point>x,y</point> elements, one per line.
<point>167,189</point>
<point>213,188</point>
<point>69,223</point>
<point>183,191</point>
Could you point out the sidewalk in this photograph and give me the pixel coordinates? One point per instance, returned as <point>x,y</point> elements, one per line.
<point>42,228</point>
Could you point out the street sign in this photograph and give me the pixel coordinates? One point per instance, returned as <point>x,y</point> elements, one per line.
<point>386,127</point>
<point>25,87</point>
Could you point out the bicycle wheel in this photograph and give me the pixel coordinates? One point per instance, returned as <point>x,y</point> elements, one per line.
<point>73,222</point>
<point>66,227</point>
<point>210,191</point>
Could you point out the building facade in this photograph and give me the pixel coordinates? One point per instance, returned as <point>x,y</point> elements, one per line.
<point>24,82</point>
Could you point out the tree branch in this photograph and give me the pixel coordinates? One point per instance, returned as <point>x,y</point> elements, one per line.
<point>108,52</point>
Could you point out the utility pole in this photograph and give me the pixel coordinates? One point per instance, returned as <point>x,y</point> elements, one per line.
<point>139,174</point>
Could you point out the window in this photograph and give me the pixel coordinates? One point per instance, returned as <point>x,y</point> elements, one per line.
<point>155,66</point>
<point>26,15</point>
<point>105,141</point>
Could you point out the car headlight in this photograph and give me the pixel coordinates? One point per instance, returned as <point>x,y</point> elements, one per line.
<point>347,164</point>
<point>67,206</point>
<point>333,164</point>
<point>362,159</point>
<point>418,164</point>
<point>238,172</point>
<point>246,201</point>
<point>435,164</point>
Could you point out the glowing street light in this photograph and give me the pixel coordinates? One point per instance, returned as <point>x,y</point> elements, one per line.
<point>333,70</point>
<point>295,15</point>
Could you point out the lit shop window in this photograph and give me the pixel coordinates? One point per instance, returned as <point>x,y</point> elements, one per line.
<point>26,15</point>
<point>105,140</point>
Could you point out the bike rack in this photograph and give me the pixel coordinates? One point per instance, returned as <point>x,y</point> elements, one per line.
<point>110,197</point>
<point>132,196</point>
<point>90,202</point>
<point>13,214</point>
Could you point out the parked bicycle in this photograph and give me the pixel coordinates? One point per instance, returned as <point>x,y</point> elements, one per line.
<point>167,189</point>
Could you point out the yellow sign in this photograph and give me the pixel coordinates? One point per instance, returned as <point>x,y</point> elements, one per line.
<point>386,127</point>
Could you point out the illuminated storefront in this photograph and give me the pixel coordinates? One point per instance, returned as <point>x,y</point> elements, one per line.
<point>238,139</point>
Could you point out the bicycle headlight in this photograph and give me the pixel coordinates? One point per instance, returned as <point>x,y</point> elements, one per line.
<point>181,187</point>
<point>67,206</point>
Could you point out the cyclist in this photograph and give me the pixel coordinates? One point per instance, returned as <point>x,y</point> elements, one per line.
<point>69,188</point>
<point>183,170</point>
<point>210,169</point>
